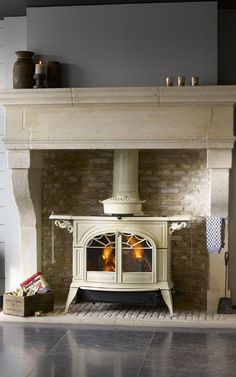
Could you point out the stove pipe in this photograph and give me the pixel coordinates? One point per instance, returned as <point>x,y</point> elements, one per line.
<point>125,198</point>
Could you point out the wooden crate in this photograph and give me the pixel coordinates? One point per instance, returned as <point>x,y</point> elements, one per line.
<point>27,306</point>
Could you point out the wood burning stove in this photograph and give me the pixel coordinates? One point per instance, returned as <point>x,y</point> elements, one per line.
<point>121,254</point>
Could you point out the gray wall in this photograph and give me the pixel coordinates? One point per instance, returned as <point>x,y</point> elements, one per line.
<point>132,44</point>
<point>226,47</point>
<point>15,39</point>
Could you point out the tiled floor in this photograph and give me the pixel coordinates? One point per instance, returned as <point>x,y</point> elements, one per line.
<point>36,350</point>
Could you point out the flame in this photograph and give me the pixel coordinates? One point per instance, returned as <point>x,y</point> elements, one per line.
<point>108,259</point>
<point>137,250</point>
<point>106,253</point>
<point>138,253</point>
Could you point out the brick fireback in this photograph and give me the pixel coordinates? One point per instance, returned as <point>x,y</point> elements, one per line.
<point>171,181</point>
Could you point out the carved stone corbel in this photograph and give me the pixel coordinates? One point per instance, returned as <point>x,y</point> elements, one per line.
<point>26,184</point>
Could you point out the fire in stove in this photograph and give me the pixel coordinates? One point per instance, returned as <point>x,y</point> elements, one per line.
<point>136,254</point>
<point>137,250</point>
<point>108,257</point>
<point>101,253</point>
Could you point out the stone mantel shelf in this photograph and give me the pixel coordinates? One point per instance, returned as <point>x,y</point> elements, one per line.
<point>111,118</point>
<point>159,95</point>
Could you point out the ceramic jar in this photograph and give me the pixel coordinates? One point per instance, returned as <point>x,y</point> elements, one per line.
<point>23,70</point>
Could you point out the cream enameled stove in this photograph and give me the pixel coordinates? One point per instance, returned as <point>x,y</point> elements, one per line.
<point>121,253</point>
<point>125,250</point>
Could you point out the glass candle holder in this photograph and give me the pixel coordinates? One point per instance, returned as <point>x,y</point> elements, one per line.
<point>180,80</point>
<point>194,81</point>
<point>169,81</point>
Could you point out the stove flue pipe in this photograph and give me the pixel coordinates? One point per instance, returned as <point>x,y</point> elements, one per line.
<point>125,174</point>
<point>125,198</point>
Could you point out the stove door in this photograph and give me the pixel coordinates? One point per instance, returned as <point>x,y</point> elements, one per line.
<point>101,253</point>
<point>120,257</point>
<point>136,253</point>
<point>101,259</point>
<point>137,259</point>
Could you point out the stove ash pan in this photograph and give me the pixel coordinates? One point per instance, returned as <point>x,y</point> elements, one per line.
<point>127,254</point>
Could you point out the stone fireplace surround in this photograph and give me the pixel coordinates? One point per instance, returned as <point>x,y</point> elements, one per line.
<point>113,118</point>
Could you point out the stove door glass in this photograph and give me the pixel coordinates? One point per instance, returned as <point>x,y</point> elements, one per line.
<point>101,253</point>
<point>136,253</point>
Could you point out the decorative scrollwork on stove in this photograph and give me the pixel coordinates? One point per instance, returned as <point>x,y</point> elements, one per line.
<point>64,224</point>
<point>177,226</point>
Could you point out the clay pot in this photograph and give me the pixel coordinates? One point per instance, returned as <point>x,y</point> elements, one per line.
<point>53,75</point>
<point>23,70</point>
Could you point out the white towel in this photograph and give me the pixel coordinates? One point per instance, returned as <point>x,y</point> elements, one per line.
<point>214,233</point>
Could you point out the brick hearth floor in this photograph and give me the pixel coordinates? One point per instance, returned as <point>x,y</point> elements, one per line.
<point>130,315</point>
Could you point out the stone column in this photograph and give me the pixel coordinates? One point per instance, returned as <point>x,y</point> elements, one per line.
<point>219,161</point>
<point>26,182</point>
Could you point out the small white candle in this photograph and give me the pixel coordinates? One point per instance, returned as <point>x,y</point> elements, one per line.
<point>40,68</point>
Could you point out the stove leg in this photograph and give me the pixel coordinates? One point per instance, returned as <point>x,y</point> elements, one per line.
<point>167,297</point>
<point>70,297</point>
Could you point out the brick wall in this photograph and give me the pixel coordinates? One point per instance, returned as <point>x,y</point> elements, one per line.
<point>175,182</point>
<point>171,181</point>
